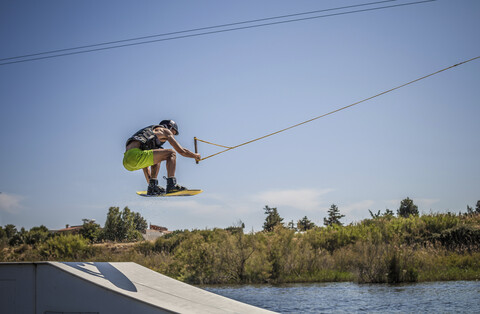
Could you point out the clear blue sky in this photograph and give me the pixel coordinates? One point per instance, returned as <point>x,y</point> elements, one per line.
<point>64,121</point>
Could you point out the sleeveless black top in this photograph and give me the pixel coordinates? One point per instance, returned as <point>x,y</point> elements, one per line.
<point>147,138</point>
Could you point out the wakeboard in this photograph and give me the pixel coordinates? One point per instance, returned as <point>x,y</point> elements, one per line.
<point>178,193</point>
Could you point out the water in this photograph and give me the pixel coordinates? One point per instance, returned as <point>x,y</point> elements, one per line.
<point>431,297</point>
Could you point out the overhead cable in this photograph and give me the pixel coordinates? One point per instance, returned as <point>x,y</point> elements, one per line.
<point>38,56</point>
<point>190,30</point>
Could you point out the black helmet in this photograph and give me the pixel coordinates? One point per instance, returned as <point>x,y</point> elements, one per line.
<point>170,124</point>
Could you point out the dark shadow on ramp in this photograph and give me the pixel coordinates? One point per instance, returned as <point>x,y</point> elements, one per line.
<point>105,271</point>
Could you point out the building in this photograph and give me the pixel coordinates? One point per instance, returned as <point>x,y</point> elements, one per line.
<point>155,232</point>
<point>69,230</point>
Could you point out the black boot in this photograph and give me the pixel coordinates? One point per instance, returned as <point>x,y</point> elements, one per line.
<point>172,185</point>
<point>153,188</point>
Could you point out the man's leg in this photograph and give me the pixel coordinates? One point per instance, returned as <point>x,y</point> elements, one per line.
<point>152,172</point>
<point>151,175</point>
<point>170,156</point>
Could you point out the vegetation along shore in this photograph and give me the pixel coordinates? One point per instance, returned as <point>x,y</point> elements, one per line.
<point>386,248</point>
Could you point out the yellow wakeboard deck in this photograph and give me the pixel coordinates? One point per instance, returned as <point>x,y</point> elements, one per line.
<point>179,193</point>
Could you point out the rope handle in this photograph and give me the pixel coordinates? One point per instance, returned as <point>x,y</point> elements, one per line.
<point>196,149</point>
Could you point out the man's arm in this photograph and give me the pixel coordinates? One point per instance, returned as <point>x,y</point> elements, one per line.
<point>182,151</point>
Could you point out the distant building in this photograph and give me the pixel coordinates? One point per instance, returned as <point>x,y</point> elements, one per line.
<point>73,229</point>
<point>159,228</point>
<point>155,232</point>
<point>69,230</point>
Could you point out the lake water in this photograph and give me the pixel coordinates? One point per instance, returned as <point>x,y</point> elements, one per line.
<point>431,297</point>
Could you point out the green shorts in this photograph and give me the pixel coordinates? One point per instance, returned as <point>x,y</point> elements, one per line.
<point>135,159</point>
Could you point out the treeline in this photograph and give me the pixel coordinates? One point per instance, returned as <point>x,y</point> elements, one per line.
<point>377,250</point>
<point>120,226</point>
<point>386,248</point>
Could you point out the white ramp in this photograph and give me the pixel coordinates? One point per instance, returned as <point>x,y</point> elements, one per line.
<point>90,287</point>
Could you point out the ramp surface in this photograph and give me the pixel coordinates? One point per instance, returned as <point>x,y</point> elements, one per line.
<point>90,287</point>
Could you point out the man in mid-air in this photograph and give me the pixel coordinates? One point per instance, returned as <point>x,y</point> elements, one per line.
<point>144,149</point>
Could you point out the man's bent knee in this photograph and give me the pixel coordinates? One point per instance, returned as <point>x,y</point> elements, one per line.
<point>173,154</point>
<point>164,154</point>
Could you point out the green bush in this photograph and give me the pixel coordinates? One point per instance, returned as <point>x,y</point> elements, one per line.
<point>66,247</point>
<point>462,237</point>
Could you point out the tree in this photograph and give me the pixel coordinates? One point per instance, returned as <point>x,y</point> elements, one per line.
<point>111,231</point>
<point>140,222</point>
<point>123,226</point>
<point>17,238</point>
<point>334,216</point>
<point>3,235</point>
<point>273,219</point>
<point>388,214</point>
<point>305,224</point>
<point>375,216</point>
<point>236,227</point>
<point>291,225</point>
<point>471,211</point>
<point>10,230</point>
<point>37,235</point>
<point>90,230</point>
<point>407,208</point>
